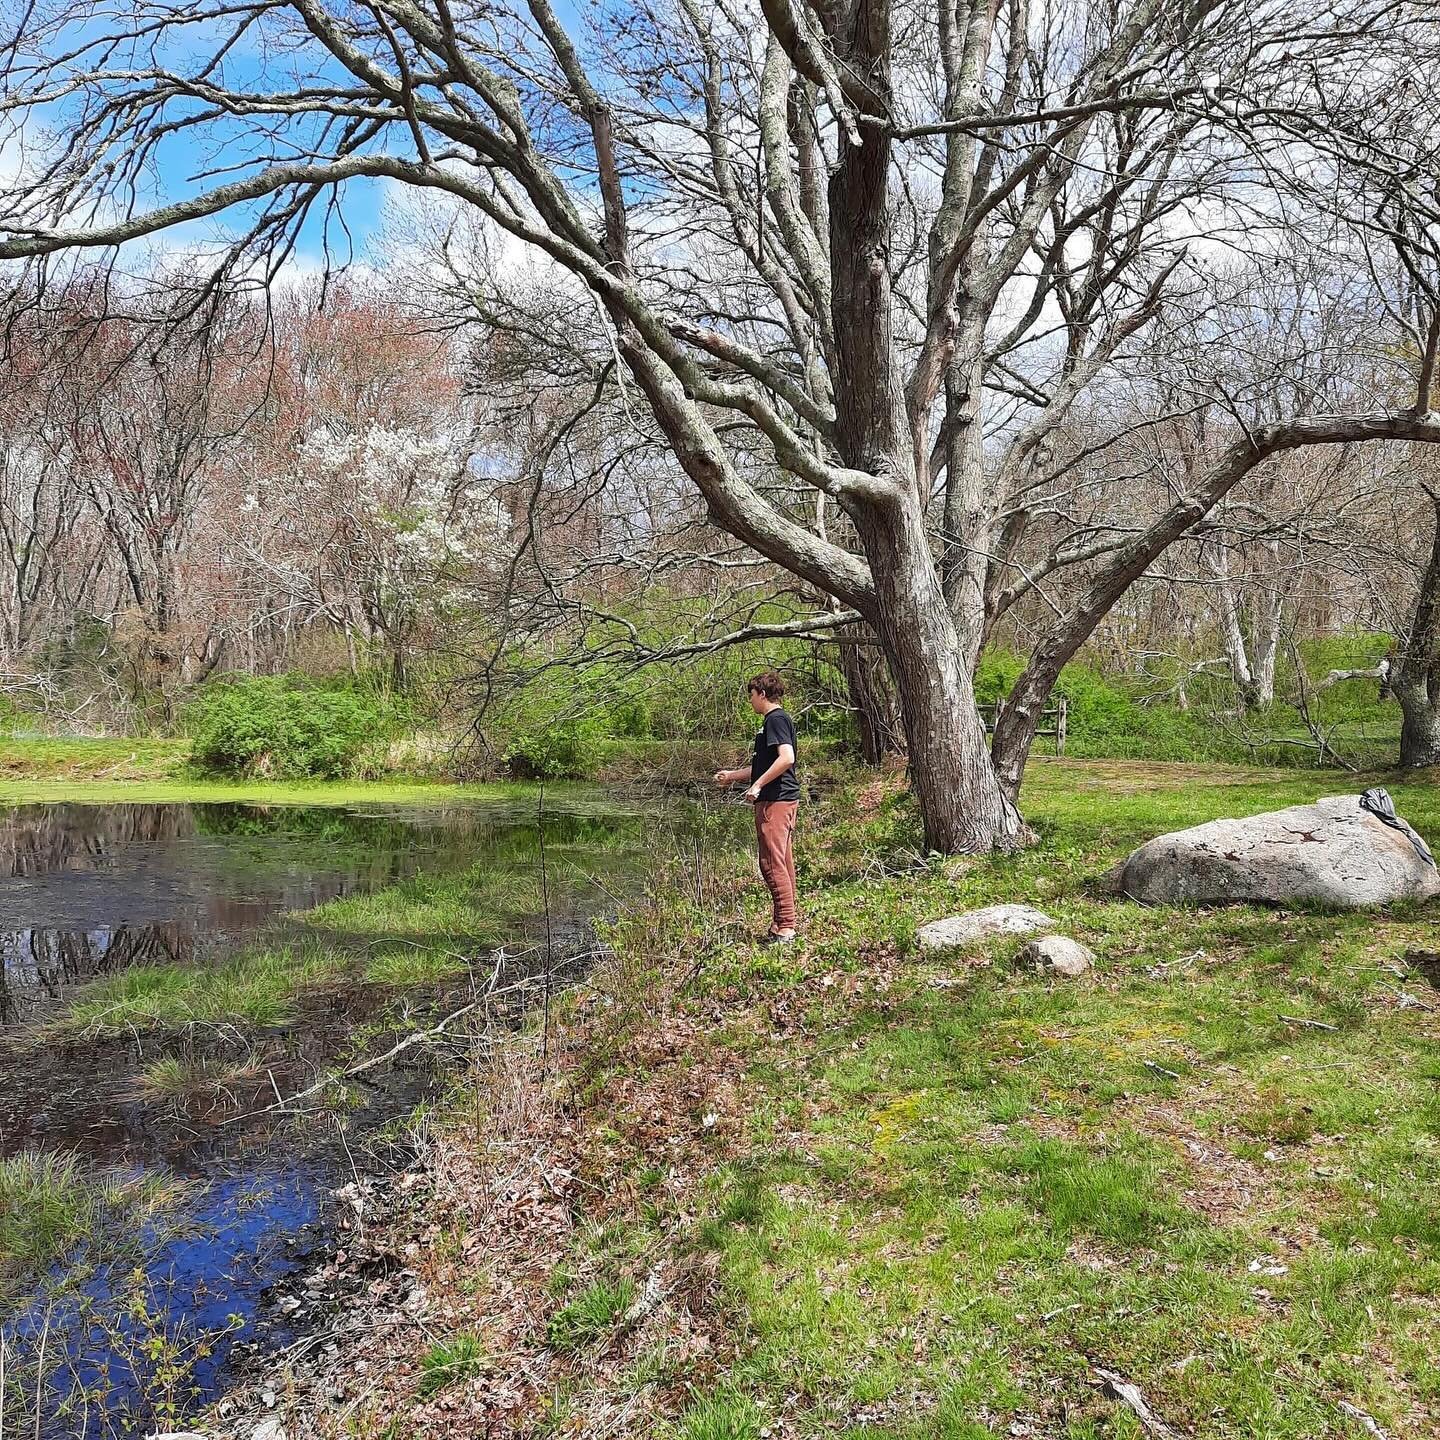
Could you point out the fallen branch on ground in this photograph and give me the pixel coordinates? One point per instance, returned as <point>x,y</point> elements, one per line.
<point>1372,672</point>
<point>1371,1424</point>
<point>1117,1387</point>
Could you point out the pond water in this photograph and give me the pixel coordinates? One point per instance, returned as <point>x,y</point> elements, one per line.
<point>101,893</point>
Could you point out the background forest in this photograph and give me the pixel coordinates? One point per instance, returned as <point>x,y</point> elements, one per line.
<point>342,531</point>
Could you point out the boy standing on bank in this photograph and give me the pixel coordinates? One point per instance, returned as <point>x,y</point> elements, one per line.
<point>775,793</point>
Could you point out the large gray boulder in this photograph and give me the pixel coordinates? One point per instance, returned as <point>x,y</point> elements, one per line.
<point>956,930</point>
<point>1332,853</point>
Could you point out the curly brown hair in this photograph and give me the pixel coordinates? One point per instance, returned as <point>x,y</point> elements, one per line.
<point>768,683</point>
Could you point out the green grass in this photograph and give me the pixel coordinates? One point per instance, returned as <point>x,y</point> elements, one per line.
<point>592,1314</point>
<point>45,1205</point>
<point>475,904</point>
<point>414,965</point>
<point>963,1187</point>
<point>252,987</point>
<point>958,1188</point>
<point>51,1201</point>
<point>172,1078</point>
<point>447,1362</point>
<point>720,1417</point>
<point>41,788</point>
<point>86,761</point>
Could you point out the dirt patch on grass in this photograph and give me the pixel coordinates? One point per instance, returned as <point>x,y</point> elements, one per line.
<point>1224,1188</point>
<point>874,793</point>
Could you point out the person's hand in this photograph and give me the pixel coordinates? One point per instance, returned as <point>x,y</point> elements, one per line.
<point>753,794</point>
<point>722,777</point>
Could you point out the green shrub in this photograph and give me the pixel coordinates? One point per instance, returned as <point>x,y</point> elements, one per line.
<point>560,752</point>
<point>996,675</point>
<point>630,718</point>
<point>1099,708</point>
<point>286,727</point>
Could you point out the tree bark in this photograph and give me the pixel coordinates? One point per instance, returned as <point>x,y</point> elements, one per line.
<point>1419,731</point>
<point>1268,612</point>
<point>1415,676</point>
<point>873,702</point>
<point>962,805</point>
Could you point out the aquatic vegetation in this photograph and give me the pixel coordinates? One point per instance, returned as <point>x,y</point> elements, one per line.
<point>171,786</point>
<point>52,1200</point>
<point>172,1077</point>
<point>586,861</point>
<point>470,906</point>
<point>256,987</point>
<point>414,965</point>
<point>150,1296</point>
<point>45,1205</point>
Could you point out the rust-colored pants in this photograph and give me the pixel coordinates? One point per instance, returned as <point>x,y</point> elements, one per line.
<point>775,835</point>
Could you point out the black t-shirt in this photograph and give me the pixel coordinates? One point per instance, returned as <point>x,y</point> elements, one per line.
<point>778,730</point>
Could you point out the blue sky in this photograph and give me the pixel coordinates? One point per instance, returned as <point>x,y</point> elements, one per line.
<point>189,154</point>
<point>230,149</point>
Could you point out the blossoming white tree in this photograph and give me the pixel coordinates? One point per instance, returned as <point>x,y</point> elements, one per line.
<point>383,531</point>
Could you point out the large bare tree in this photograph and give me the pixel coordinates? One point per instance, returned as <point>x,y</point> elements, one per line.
<point>889,244</point>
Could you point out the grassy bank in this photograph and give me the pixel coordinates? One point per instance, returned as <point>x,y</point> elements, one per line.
<point>110,771</point>
<point>39,788</point>
<point>70,761</point>
<point>843,1189</point>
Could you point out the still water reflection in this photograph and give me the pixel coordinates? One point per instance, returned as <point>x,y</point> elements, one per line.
<point>91,891</point>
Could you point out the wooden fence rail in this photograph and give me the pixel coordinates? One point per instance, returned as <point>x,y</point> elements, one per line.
<point>1054,721</point>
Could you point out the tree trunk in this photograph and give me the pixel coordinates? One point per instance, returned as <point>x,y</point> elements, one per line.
<point>1267,648</point>
<point>1232,633</point>
<point>873,702</point>
<point>1419,728</point>
<point>1415,676</point>
<point>962,805</point>
<point>1268,614</point>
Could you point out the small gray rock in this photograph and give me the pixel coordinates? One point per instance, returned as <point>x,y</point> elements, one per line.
<point>1057,955</point>
<point>1331,853</point>
<point>957,930</point>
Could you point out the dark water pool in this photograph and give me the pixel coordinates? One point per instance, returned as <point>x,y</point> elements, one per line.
<point>90,892</point>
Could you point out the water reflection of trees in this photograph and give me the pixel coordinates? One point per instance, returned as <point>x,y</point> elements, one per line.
<point>37,966</point>
<point>171,879</point>
<point>40,839</point>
